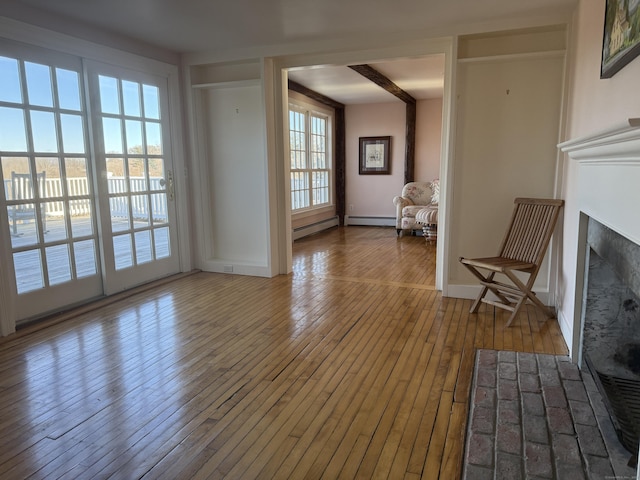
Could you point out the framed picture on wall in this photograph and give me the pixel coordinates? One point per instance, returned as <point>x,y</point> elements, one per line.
<point>620,42</point>
<point>374,155</point>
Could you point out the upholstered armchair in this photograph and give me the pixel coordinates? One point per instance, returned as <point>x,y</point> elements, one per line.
<point>415,196</point>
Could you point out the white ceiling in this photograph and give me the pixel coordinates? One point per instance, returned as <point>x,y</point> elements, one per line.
<point>192,26</point>
<point>422,78</point>
<point>205,25</point>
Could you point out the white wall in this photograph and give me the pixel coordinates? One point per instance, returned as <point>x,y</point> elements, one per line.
<point>237,211</point>
<point>506,133</point>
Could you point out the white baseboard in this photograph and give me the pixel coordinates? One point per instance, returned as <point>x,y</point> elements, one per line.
<point>314,228</point>
<point>370,221</point>
<point>235,267</point>
<point>471,292</point>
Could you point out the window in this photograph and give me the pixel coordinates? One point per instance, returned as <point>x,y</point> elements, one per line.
<point>311,162</point>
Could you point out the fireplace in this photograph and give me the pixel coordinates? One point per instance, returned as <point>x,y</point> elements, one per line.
<point>611,328</point>
<point>601,188</point>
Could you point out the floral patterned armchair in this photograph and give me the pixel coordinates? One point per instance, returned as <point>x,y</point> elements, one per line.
<point>415,197</point>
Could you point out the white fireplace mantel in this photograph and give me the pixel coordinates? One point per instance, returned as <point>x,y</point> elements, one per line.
<point>618,144</point>
<point>607,177</point>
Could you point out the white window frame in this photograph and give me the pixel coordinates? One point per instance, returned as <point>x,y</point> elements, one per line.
<point>310,110</point>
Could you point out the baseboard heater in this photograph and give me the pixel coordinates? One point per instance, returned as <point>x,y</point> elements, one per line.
<point>371,221</point>
<point>315,227</point>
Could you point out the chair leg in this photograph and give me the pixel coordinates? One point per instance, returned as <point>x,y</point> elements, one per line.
<point>516,310</point>
<point>527,293</point>
<point>485,289</point>
<point>476,304</point>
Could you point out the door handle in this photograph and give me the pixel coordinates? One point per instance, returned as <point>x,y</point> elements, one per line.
<point>169,183</point>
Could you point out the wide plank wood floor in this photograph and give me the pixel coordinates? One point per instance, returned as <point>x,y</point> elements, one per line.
<point>351,367</point>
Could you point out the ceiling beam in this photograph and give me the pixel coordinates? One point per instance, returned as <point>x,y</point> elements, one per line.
<point>307,92</point>
<point>379,79</point>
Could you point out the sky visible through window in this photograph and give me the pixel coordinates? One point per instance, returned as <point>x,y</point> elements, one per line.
<point>27,88</point>
<point>40,96</point>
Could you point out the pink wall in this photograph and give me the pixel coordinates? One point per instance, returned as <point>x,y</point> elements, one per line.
<point>596,104</point>
<point>372,195</point>
<point>428,138</point>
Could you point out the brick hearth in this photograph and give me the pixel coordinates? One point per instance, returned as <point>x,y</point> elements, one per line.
<point>531,417</point>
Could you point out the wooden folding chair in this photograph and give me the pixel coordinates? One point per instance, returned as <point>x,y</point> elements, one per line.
<point>522,250</point>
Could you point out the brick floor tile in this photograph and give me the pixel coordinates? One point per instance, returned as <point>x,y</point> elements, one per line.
<point>598,406</point>
<point>508,371</point>
<point>509,467</point>
<point>590,440</point>
<point>566,450</point>
<point>527,363</point>
<point>538,460</point>
<point>529,382</point>
<point>509,411</point>
<point>582,413</point>
<point>505,356</point>
<point>554,396</point>
<point>486,377</point>
<point>570,472</point>
<point>560,420</point>
<point>599,467</point>
<point>480,449</point>
<point>485,397</point>
<point>569,371</point>
<point>509,438</point>
<point>575,390</point>
<point>487,358</point>
<point>549,378</point>
<point>546,361</point>
<point>484,420</point>
<point>535,429</point>
<point>532,404</point>
<point>473,472</point>
<point>507,389</point>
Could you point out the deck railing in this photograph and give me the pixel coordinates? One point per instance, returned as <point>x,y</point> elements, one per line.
<point>78,186</point>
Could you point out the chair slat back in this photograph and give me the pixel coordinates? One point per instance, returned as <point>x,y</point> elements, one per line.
<point>530,231</point>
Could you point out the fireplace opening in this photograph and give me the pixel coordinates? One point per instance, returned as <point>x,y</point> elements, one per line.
<point>629,356</point>
<point>611,334</point>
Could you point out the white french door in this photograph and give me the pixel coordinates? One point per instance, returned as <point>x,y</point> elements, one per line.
<point>136,185</point>
<point>46,168</point>
<point>88,202</point>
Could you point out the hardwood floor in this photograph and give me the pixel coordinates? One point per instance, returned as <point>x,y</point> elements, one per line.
<point>351,367</point>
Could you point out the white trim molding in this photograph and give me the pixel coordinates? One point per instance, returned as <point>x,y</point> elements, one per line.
<point>619,144</point>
